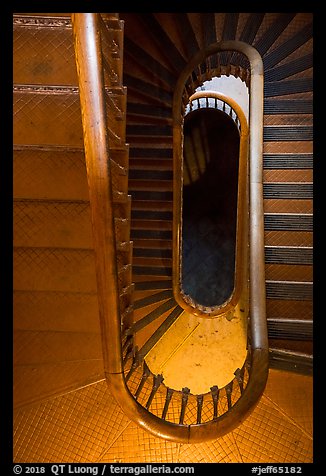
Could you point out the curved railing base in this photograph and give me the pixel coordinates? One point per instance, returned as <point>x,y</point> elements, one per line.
<point>196,433</point>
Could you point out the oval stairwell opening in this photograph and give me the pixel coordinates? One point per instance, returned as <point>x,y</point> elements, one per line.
<point>209,216</point>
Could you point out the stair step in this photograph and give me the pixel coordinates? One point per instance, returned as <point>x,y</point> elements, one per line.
<point>38,348</point>
<point>52,224</point>
<point>288,86</point>
<point>273,205</point>
<point>147,62</point>
<point>151,234</point>
<point>142,195</point>
<point>289,69</point>
<point>160,331</point>
<point>122,229</point>
<point>147,89</point>
<point>150,317</point>
<point>146,333</point>
<point>289,309</point>
<point>140,175</point>
<point>57,173</point>
<point>289,290</point>
<point>289,255</point>
<point>50,173</point>
<point>153,298</point>
<point>288,133</point>
<point>58,224</point>
<point>127,317</point>
<point>276,55</point>
<point>287,238</point>
<point>303,176</point>
<point>292,345</point>
<point>48,116</point>
<point>292,329</point>
<point>151,165</point>
<point>51,116</point>
<point>152,271</point>
<point>151,262</point>
<point>33,385</point>
<point>151,224</point>
<point>136,185</point>
<point>153,245</point>
<point>120,197</point>
<point>153,284</point>
<point>288,272</point>
<point>125,246</point>
<point>151,152</point>
<point>55,311</point>
<point>288,106</point>
<point>44,50</point>
<point>282,359</point>
<point>122,209</point>
<point>283,190</point>
<point>54,269</point>
<point>112,39</point>
<point>121,156</point>
<point>151,206</point>
<point>163,41</point>
<point>271,34</point>
<point>147,110</point>
<point>126,295</point>
<point>125,277</point>
<point>152,253</point>
<point>288,161</point>
<point>288,221</point>
<point>147,130</point>
<point>124,258</point>
<point>151,215</point>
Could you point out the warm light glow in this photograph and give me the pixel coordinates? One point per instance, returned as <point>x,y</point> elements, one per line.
<point>198,353</point>
<point>232,87</point>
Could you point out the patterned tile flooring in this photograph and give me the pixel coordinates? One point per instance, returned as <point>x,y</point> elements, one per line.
<point>87,425</point>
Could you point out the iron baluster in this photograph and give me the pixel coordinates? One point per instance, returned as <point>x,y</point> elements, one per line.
<point>134,365</point>
<point>200,400</point>
<point>228,390</point>
<point>157,380</point>
<point>215,394</point>
<point>126,344</point>
<point>239,376</point>
<point>146,373</point>
<point>169,393</point>
<point>185,395</point>
<point>130,353</point>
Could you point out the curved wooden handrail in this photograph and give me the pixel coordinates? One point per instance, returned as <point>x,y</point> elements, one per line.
<point>240,255</point>
<point>87,38</point>
<point>88,54</point>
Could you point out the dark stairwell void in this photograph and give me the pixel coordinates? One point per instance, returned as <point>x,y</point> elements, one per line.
<point>211,155</point>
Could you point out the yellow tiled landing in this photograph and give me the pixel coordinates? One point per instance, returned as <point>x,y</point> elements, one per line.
<point>88,425</point>
<point>198,352</point>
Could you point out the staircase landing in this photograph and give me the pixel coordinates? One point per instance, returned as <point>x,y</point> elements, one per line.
<point>196,351</point>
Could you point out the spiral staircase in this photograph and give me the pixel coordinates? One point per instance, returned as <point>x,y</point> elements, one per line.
<point>57,293</point>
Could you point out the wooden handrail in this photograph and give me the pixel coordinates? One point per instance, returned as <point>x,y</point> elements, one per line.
<point>87,41</point>
<point>241,228</point>
<point>88,54</point>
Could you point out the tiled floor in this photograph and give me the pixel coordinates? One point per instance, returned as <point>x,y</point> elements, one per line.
<point>87,425</point>
<point>198,353</point>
